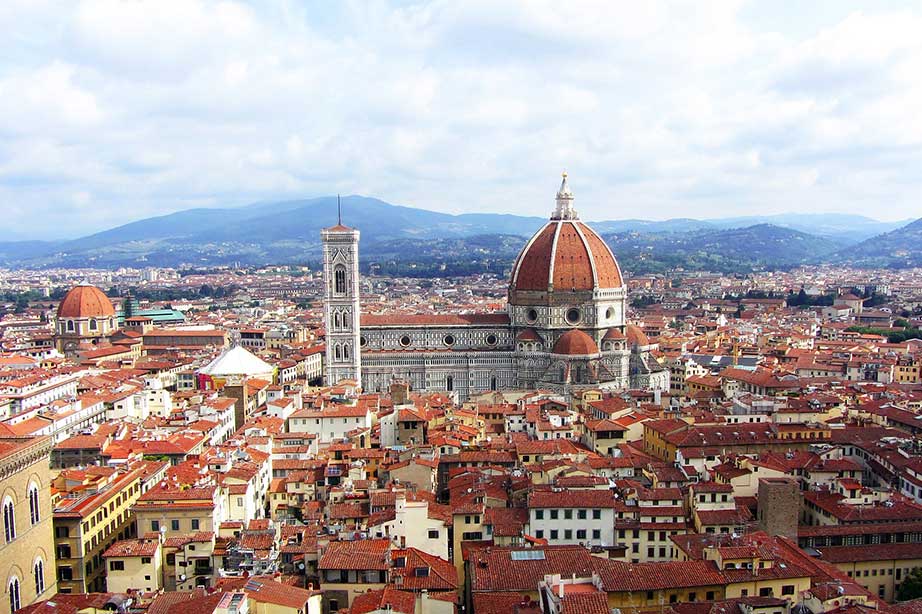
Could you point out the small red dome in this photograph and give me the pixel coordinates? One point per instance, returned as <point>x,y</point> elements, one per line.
<point>529,334</point>
<point>85,301</point>
<point>575,343</point>
<point>613,334</point>
<point>566,255</point>
<point>635,336</point>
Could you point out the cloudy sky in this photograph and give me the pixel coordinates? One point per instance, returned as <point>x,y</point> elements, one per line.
<point>112,111</point>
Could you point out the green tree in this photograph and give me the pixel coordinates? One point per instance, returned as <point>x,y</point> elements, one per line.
<point>911,588</point>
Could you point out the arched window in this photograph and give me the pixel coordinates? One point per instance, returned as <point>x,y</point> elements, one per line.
<point>34,510</point>
<point>492,383</point>
<point>337,353</point>
<point>345,352</point>
<point>9,520</point>
<point>93,324</point>
<point>70,326</point>
<point>449,383</point>
<point>339,280</point>
<point>15,602</point>
<point>39,571</point>
<point>337,322</point>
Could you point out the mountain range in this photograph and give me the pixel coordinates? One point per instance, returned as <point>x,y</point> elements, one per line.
<point>397,236</point>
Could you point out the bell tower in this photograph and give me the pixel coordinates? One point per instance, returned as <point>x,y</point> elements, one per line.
<point>341,309</point>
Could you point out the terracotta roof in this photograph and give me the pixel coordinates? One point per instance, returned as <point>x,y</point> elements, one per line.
<point>387,599</point>
<point>521,569</point>
<point>575,342</point>
<point>439,574</point>
<point>595,602</point>
<point>635,336</point>
<point>364,554</point>
<point>565,255</point>
<point>85,301</point>
<point>132,548</point>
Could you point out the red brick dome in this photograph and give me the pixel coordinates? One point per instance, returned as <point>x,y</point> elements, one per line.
<point>566,255</point>
<point>635,336</point>
<point>85,301</point>
<point>575,342</point>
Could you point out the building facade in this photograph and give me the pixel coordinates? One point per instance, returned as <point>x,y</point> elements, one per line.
<point>85,319</point>
<point>341,303</point>
<point>27,561</point>
<point>564,328</point>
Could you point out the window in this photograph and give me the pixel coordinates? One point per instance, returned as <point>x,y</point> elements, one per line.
<point>573,315</point>
<point>61,532</point>
<point>174,523</point>
<point>596,534</point>
<point>64,551</point>
<point>339,277</point>
<point>581,534</point>
<point>787,589</point>
<point>554,533</point>
<point>195,524</point>
<point>116,565</point>
<point>765,592</point>
<point>65,573</point>
<point>34,513</point>
<point>433,533</point>
<point>155,525</point>
<point>70,326</point>
<point>38,570</point>
<point>596,514</point>
<point>93,325</point>
<point>539,514</point>
<point>9,522</point>
<point>554,514</point>
<point>581,514</point>
<point>421,572</point>
<point>692,596</point>
<point>709,595</point>
<point>145,560</point>
<point>568,534</point>
<point>15,602</point>
<point>568,514</point>
<point>171,559</point>
<point>539,533</point>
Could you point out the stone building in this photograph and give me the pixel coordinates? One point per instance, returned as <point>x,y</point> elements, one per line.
<point>85,319</point>
<point>564,328</point>
<point>27,562</point>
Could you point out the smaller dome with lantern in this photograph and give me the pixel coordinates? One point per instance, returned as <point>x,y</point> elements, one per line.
<point>85,301</point>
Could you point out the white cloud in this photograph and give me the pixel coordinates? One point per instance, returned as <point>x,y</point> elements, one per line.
<point>111,111</point>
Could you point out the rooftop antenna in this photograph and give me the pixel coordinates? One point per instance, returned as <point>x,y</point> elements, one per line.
<point>339,211</point>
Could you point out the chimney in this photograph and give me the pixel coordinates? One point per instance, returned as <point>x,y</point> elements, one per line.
<point>560,588</point>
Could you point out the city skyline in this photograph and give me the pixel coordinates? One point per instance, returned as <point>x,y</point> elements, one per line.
<point>113,112</point>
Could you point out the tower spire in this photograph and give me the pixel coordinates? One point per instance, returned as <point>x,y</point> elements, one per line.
<point>564,210</point>
<point>339,211</point>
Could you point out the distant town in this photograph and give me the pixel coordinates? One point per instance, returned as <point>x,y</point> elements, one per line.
<point>564,437</point>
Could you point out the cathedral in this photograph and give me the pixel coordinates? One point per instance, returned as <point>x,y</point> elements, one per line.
<point>564,328</point>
